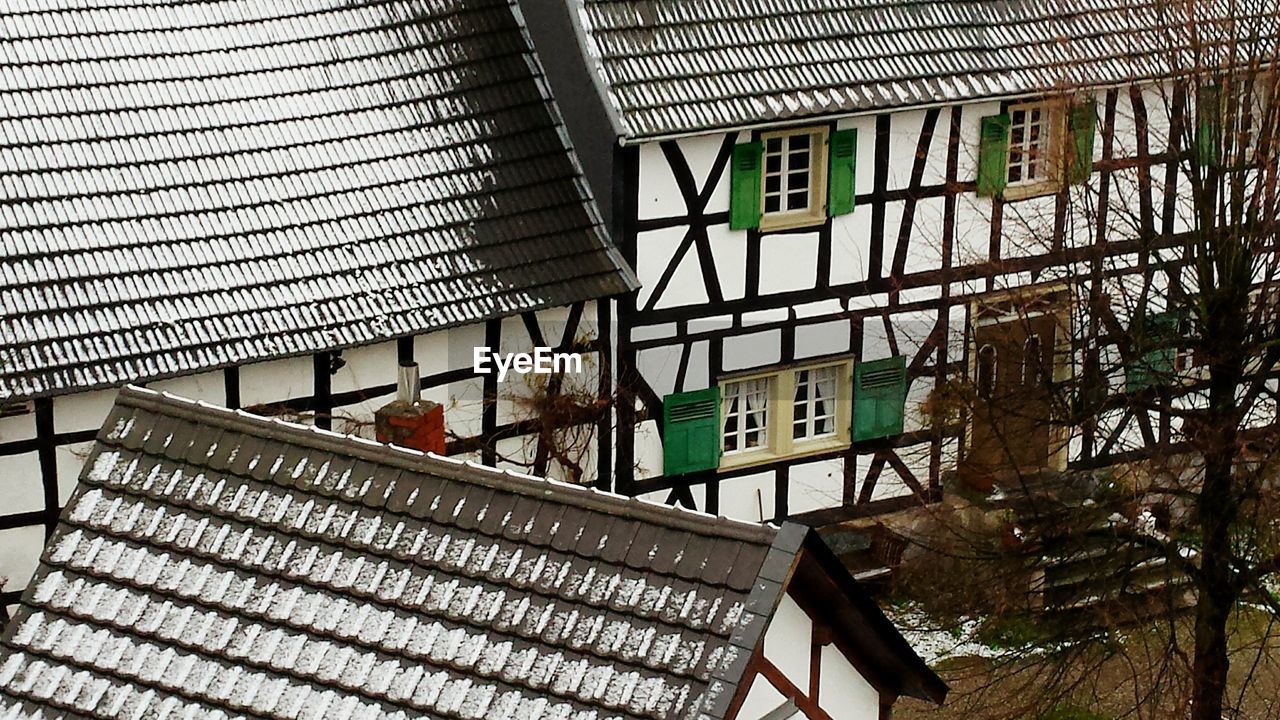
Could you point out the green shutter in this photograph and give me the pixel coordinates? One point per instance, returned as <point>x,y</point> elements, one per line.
<point>993,155</point>
<point>1158,343</point>
<point>879,398</point>
<point>1084,119</point>
<point>841,185</point>
<point>691,431</point>
<point>744,205</point>
<point>1209,136</point>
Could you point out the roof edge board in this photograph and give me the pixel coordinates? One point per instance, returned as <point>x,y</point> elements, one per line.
<point>928,685</point>
<point>574,9</point>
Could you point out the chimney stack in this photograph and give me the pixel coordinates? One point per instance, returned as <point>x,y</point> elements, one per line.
<point>409,383</point>
<point>409,421</point>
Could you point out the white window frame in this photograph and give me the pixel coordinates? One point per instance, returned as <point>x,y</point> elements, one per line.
<point>1048,150</point>
<point>816,211</point>
<point>780,442</point>
<point>1256,96</point>
<point>741,391</point>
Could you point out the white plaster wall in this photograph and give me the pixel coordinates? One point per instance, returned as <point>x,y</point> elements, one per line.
<point>762,699</point>
<point>698,373</point>
<point>20,487</point>
<point>851,237</point>
<point>276,380</point>
<point>749,498</point>
<point>431,352</point>
<point>20,556</point>
<point>842,691</point>
<point>658,195</point>
<point>654,252</point>
<point>875,338</point>
<point>366,367</point>
<point>515,391</point>
<point>464,405</point>
<point>82,411</point>
<point>18,427</point>
<point>788,262</point>
<point>699,493</point>
<point>828,338</point>
<point>729,247</point>
<point>653,332</point>
<point>648,453</point>
<point>787,642</point>
<point>815,486</point>
<point>927,235</point>
<point>752,350</point>
<point>210,387</point>
<point>889,484</point>
<point>69,460</point>
<point>659,366</point>
<point>904,136</point>
<point>864,163</point>
<point>917,394</point>
<point>700,153</point>
<point>1028,227</point>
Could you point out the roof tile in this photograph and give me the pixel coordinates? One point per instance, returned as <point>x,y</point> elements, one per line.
<point>212,583</point>
<point>196,189</point>
<point>674,67</point>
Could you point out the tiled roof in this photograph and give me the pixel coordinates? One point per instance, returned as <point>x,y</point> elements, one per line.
<point>186,185</point>
<point>673,67</point>
<point>216,565</point>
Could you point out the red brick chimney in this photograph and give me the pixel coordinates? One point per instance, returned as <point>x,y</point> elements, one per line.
<point>409,421</point>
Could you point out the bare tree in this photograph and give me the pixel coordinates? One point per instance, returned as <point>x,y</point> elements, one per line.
<point>1123,411</point>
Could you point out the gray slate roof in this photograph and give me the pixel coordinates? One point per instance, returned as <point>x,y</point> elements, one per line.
<point>674,67</point>
<point>213,564</point>
<point>187,185</point>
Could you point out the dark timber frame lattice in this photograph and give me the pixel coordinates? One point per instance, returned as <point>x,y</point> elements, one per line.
<point>865,461</point>
<point>322,402</point>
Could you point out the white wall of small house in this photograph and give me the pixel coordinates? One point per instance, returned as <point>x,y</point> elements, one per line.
<point>77,416</point>
<point>790,279</point>
<point>842,692</point>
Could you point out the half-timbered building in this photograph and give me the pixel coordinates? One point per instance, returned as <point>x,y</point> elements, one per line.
<point>271,205</point>
<point>835,206</point>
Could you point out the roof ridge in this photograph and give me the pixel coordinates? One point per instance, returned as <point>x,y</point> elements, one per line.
<point>692,521</point>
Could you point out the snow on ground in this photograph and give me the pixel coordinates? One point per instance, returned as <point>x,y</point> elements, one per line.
<point>932,642</point>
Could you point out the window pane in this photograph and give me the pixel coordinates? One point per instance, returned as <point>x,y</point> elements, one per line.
<point>986,370</point>
<point>746,415</point>
<point>773,145</point>
<point>815,403</point>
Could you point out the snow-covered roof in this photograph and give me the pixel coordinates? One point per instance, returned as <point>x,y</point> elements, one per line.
<point>674,67</point>
<point>223,565</point>
<point>188,185</point>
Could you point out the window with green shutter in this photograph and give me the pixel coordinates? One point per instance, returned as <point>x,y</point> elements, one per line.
<point>691,431</point>
<point>1209,113</point>
<point>1084,119</point>
<point>879,398</point>
<point>744,203</point>
<point>841,183</point>
<point>1157,345</point>
<point>993,155</point>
